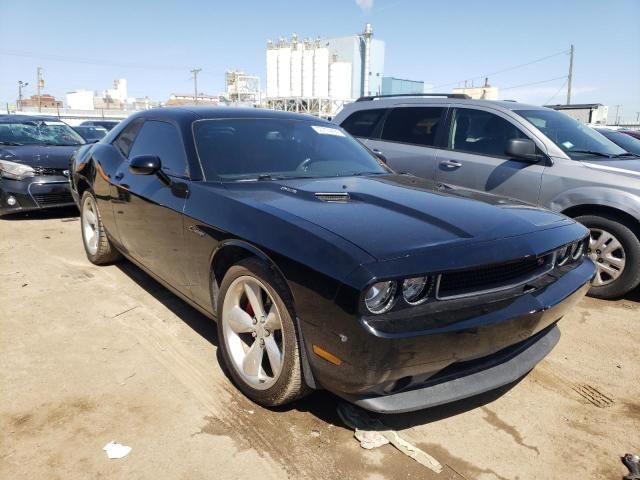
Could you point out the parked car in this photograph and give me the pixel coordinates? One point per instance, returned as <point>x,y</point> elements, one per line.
<point>622,139</point>
<point>632,133</point>
<point>525,152</point>
<point>34,162</point>
<point>89,133</point>
<point>323,268</point>
<point>106,124</point>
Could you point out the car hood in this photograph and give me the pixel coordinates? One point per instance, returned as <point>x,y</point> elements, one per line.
<point>624,166</point>
<point>47,156</point>
<point>397,215</point>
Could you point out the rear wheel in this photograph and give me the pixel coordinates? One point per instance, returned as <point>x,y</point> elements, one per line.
<point>258,338</point>
<point>94,238</point>
<point>615,249</point>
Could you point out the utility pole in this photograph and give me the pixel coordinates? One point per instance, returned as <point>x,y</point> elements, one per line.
<point>195,73</point>
<point>40,84</point>
<point>570,77</point>
<point>21,85</point>
<point>617,111</point>
<point>637,117</point>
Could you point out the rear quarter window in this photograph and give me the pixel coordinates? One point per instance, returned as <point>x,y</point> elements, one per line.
<point>363,122</point>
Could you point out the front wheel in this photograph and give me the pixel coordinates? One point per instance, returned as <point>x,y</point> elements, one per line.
<point>258,338</point>
<point>615,249</point>
<point>97,245</point>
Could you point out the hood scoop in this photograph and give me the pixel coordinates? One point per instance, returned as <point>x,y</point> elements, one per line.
<point>337,197</point>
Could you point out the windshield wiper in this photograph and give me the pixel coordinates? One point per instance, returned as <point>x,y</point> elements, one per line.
<point>11,144</point>
<point>591,152</point>
<point>360,174</point>
<point>625,154</point>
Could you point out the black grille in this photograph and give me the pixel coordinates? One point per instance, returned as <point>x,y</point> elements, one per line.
<point>48,199</point>
<point>490,277</point>
<point>48,171</point>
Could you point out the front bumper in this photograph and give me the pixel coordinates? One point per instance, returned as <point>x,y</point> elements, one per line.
<point>34,193</point>
<point>492,346</point>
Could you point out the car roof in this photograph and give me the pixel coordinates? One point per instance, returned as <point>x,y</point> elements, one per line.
<point>27,118</point>
<point>387,102</point>
<point>197,113</point>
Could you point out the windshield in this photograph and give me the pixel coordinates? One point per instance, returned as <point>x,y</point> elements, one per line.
<point>39,132</point>
<point>267,148</point>
<point>577,140</point>
<point>627,142</point>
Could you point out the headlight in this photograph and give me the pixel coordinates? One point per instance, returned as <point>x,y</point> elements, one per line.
<point>15,171</point>
<point>563,255</point>
<point>415,290</point>
<point>380,297</point>
<point>577,251</point>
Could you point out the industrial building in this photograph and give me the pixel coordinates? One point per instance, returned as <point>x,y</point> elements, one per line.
<point>401,86</point>
<point>587,113</point>
<point>242,88</point>
<point>319,76</point>
<point>485,92</point>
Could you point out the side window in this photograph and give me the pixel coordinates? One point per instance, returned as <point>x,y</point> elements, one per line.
<point>416,125</point>
<point>126,137</point>
<point>477,131</point>
<point>362,123</point>
<point>163,140</point>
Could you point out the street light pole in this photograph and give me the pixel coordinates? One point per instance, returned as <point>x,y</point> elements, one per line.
<point>570,76</point>
<point>21,85</point>
<point>40,83</point>
<point>195,73</point>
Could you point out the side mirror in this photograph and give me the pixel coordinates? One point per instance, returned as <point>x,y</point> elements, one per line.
<point>521,149</point>
<point>145,165</point>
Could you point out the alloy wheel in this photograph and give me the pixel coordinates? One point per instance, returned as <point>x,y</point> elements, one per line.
<point>252,328</point>
<point>609,256</point>
<point>90,228</point>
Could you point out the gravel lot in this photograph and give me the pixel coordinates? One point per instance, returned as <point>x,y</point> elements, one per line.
<point>91,354</point>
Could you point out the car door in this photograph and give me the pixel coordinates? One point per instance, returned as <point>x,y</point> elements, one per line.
<point>409,138</point>
<point>149,208</point>
<point>475,158</point>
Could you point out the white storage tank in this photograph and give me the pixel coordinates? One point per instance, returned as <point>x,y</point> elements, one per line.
<point>307,71</point>
<point>296,70</point>
<point>321,72</point>
<point>340,80</point>
<point>272,71</point>
<point>284,71</point>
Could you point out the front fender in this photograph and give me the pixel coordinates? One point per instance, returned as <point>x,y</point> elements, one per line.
<point>602,196</point>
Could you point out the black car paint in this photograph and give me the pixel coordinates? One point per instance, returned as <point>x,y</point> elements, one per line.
<point>328,253</point>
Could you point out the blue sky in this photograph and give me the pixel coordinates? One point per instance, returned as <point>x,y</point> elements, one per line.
<point>82,44</point>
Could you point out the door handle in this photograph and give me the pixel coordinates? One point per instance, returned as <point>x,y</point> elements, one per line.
<point>119,176</point>
<point>452,164</point>
<point>376,151</point>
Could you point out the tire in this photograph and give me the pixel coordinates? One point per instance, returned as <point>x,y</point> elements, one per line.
<point>612,281</point>
<point>99,249</point>
<point>247,339</point>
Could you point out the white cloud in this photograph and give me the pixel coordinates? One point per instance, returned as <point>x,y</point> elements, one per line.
<point>365,5</point>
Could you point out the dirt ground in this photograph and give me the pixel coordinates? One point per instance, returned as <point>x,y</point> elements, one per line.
<point>93,354</point>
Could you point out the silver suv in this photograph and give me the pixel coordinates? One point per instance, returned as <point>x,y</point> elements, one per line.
<point>520,151</point>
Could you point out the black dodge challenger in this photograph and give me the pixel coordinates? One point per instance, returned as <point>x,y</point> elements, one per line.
<point>322,267</point>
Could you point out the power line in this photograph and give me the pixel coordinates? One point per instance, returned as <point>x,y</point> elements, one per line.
<point>509,69</point>
<point>534,83</point>
<point>86,61</point>
<point>548,102</point>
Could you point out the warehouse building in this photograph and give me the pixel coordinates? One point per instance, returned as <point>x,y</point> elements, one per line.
<point>401,86</point>
<point>587,113</point>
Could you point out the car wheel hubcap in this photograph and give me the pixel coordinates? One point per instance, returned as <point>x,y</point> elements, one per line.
<point>252,328</point>
<point>608,254</point>
<point>90,229</point>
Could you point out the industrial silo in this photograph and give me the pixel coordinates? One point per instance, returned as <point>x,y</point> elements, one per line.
<point>284,69</point>
<point>321,71</point>
<point>272,70</point>
<point>307,70</point>
<point>296,67</point>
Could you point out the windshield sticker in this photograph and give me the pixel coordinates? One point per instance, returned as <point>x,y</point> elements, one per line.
<point>567,145</point>
<point>327,131</point>
<point>52,123</point>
